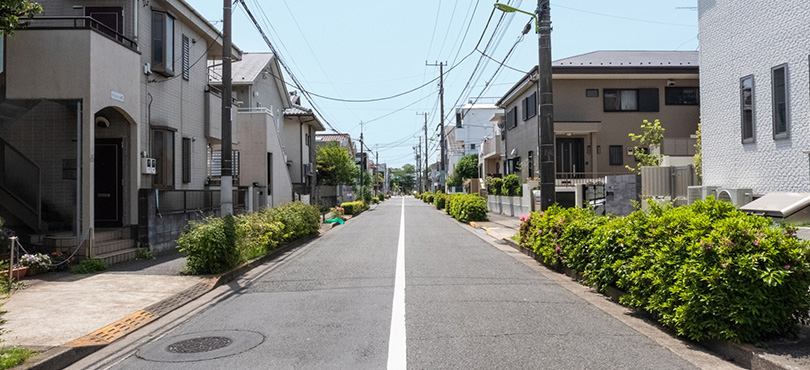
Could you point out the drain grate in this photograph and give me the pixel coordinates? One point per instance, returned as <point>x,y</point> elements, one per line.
<point>197,345</point>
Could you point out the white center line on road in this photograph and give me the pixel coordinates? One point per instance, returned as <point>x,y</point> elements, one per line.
<point>396,342</point>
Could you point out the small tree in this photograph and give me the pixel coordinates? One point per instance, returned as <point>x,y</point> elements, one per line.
<point>335,166</point>
<point>12,10</point>
<point>699,155</point>
<point>466,168</point>
<point>652,135</point>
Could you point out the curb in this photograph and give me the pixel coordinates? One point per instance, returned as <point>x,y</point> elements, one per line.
<point>745,355</point>
<point>68,353</point>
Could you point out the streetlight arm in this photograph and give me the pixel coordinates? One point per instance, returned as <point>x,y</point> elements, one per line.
<point>510,9</point>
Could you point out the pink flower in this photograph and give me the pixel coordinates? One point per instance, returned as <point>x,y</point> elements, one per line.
<point>756,242</point>
<point>723,265</point>
<point>540,231</point>
<point>524,218</point>
<point>787,267</point>
<point>557,249</point>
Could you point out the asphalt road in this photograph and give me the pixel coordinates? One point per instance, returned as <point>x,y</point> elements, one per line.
<point>468,305</point>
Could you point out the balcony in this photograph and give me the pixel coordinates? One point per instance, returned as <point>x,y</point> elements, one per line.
<point>492,147</point>
<point>73,58</point>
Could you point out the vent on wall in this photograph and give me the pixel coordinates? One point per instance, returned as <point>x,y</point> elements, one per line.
<point>695,193</point>
<point>738,197</point>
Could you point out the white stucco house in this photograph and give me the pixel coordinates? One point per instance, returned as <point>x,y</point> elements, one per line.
<point>754,84</point>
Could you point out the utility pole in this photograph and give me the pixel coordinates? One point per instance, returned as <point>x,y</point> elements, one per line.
<point>362,160</point>
<point>376,167</point>
<point>425,178</point>
<point>441,117</point>
<point>226,187</point>
<point>548,191</point>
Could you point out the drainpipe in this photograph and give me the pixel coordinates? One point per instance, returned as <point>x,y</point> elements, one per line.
<point>135,12</point>
<point>78,172</point>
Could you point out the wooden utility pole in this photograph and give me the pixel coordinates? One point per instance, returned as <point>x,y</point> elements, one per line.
<point>226,176</point>
<point>423,186</point>
<point>548,191</point>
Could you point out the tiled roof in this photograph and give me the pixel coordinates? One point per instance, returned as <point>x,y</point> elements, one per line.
<point>333,137</point>
<point>245,71</point>
<point>297,110</point>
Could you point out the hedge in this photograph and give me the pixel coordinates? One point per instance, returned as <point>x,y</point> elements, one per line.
<point>495,186</point>
<point>440,200</point>
<point>354,208</point>
<point>511,186</point>
<point>217,244</point>
<point>707,270</point>
<point>427,197</point>
<point>467,207</point>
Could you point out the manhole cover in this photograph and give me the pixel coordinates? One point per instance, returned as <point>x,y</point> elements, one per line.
<point>201,346</point>
<point>197,345</point>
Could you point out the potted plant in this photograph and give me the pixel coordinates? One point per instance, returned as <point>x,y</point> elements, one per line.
<point>37,263</point>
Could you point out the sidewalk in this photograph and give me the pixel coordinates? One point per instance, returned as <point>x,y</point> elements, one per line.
<point>58,307</point>
<point>499,226</point>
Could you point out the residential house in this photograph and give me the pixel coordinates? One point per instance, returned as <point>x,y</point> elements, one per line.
<point>300,127</point>
<point>342,140</point>
<point>492,153</point>
<point>599,98</point>
<point>472,126</point>
<point>335,195</point>
<point>106,117</point>
<point>754,95</point>
<point>260,92</point>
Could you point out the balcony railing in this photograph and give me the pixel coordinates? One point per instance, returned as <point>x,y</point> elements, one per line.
<point>491,146</point>
<point>57,23</point>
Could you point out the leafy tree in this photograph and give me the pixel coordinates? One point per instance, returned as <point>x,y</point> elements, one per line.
<point>467,168</point>
<point>336,166</point>
<point>652,135</point>
<point>12,10</point>
<point>404,177</point>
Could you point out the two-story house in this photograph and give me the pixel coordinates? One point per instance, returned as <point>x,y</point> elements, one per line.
<point>107,117</point>
<point>260,93</point>
<point>754,95</point>
<point>472,125</point>
<point>300,127</point>
<point>599,98</point>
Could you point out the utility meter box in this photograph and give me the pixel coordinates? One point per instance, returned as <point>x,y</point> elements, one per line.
<point>148,166</point>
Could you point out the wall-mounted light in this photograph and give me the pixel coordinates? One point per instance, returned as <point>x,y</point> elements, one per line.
<point>598,149</point>
<point>589,149</point>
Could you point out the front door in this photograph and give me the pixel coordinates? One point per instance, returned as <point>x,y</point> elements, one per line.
<point>570,155</point>
<point>109,183</point>
<point>110,16</point>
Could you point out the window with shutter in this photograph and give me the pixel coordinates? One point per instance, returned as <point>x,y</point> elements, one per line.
<point>186,58</point>
<point>616,155</point>
<point>186,160</point>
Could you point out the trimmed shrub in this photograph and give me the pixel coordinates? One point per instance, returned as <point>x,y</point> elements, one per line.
<point>217,244</point>
<point>467,207</point>
<point>495,187</point>
<point>428,197</point>
<point>511,186</point>
<point>353,208</point>
<point>440,200</point>
<point>90,266</point>
<point>707,270</point>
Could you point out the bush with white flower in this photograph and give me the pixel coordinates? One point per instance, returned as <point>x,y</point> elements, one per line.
<point>39,260</point>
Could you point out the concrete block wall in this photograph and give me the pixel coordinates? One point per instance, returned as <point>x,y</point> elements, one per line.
<point>620,192</point>
<point>737,41</point>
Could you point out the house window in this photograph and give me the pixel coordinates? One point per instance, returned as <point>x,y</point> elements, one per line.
<point>682,96</point>
<point>531,164</point>
<point>513,166</point>
<point>215,165</point>
<point>459,120</point>
<point>631,100</point>
<point>163,151</point>
<point>511,118</point>
<point>530,106</point>
<point>186,58</point>
<point>781,110</point>
<point>270,174</point>
<point>186,160</point>
<point>472,146</point>
<point>747,108</point>
<point>162,43</point>
<point>616,155</point>
<point>591,93</point>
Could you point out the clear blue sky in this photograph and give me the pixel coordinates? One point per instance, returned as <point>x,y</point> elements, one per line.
<point>367,49</point>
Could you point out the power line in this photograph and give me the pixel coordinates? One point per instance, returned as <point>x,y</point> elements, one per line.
<point>621,17</point>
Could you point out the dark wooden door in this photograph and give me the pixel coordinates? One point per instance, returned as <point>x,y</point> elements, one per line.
<point>109,183</point>
<point>570,155</point>
<point>110,16</point>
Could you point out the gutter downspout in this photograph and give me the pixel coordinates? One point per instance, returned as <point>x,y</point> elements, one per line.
<point>78,227</point>
<point>135,12</point>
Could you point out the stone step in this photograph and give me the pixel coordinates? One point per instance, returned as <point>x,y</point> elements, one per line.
<point>110,234</point>
<point>117,256</point>
<point>59,241</point>
<point>112,246</point>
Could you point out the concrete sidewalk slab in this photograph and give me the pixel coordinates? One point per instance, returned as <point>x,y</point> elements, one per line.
<point>499,226</point>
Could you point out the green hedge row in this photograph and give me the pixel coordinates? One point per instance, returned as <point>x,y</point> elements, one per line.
<point>427,197</point>
<point>705,270</point>
<point>467,207</point>
<point>354,208</point>
<point>217,244</point>
<point>440,200</point>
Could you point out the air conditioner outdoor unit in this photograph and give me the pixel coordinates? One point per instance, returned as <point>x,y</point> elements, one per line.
<point>738,197</point>
<point>695,193</point>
